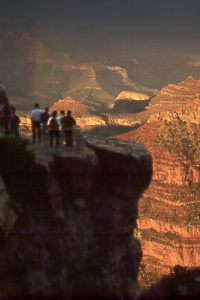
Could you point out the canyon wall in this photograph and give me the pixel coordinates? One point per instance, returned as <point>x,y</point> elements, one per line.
<point>72,216</point>
<point>169,216</point>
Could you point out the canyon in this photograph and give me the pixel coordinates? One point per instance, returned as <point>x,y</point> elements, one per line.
<point>46,69</point>
<point>169,216</point>
<point>104,91</point>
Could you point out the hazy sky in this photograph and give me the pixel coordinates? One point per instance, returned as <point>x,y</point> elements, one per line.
<point>120,14</point>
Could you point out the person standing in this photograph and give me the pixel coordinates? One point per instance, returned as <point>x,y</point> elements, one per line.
<point>14,122</point>
<point>2,118</point>
<point>62,135</point>
<point>68,123</point>
<point>53,125</point>
<point>4,102</point>
<point>44,119</point>
<point>36,123</point>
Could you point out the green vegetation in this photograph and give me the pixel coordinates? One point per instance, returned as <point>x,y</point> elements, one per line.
<point>145,206</point>
<point>165,238</point>
<point>146,278</point>
<point>178,136</point>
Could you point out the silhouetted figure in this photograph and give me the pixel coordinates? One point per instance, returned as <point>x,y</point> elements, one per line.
<point>44,119</point>
<point>2,119</point>
<point>62,134</point>
<point>53,125</point>
<point>68,123</point>
<point>36,123</point>
<point>4,103</point>
<point>14,122</point>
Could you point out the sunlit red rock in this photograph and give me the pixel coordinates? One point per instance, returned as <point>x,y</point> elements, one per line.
<point>169,223</point>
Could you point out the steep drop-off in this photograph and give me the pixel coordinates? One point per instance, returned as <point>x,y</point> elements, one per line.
<point>169,216</point>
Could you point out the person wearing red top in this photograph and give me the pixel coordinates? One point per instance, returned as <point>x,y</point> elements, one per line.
<point>53,125</point>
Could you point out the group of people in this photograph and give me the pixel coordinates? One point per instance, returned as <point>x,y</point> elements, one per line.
<point>9,121</point>
<point>46,126</point>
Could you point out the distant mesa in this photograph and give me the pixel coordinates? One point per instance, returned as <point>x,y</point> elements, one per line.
<point>175,95</point>
<point>130,95</point>
<point>182,92</point>
<point>77,108</point>
<point>84,115</point>
<point>129,101</point>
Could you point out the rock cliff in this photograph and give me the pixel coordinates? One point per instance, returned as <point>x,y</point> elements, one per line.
<point>178,93</point>
<point>169,220</point>
<point>75,214</point>
<point>183,91</point>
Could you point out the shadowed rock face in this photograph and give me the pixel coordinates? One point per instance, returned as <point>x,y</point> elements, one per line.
<point>73,237</point>
<point>130,106</point>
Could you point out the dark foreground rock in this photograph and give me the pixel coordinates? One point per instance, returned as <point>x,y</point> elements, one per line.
<point>73,216</point>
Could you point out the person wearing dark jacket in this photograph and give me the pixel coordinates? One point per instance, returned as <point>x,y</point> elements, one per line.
<point>44,120</point>
<point>14,122</point>
<point>68,122</point>
<point>4,102</point>
<point>62,135</point>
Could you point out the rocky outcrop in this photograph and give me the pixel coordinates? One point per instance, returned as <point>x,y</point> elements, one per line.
<point>129,95</point>
<point>8,216</point>
<point>78,109</point>
<point>123,120</point>
<point>76,214</point>
<point>127,102</point>
<point>84,69</point>
<point>178,94</point>
<point>183,91</point>
<point>85,116</point>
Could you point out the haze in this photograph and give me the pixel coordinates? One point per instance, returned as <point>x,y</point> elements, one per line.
<point>122,15</point>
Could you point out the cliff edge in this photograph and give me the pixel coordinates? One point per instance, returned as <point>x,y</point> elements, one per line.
<point>71,235</point>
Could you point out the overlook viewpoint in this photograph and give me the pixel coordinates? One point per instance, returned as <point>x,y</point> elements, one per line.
<point>66,219</point>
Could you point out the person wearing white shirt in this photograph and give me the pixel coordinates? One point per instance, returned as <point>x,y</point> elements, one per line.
<point>36,123</point>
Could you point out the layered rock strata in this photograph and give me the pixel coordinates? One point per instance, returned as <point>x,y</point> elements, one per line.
<point>177,94</point>
<point>76,212</point>
<point>169,223</point>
